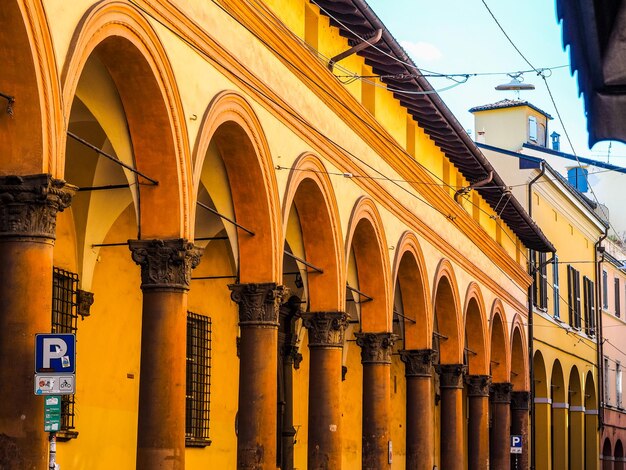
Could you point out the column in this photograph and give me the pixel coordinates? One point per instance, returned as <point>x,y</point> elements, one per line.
<point>451,385</point>
<point>500,440</point>
<point>418,370</point>
<point>576,437</point>
<point>258,350</point>
<point>478,426</point>
<point>560,453</point>
<point>326,337</point>
<point>592,449</point>
<point>165,274</point>
<point>376,349</point>
<point>542,433</point>
<point>28,209</point>
<point>520,407</point>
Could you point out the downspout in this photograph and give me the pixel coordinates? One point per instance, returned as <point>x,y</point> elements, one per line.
<point>477,184</point>
<point>600,341</point>
<point>531,302</point>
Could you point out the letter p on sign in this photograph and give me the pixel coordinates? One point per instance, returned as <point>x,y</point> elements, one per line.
<point>53,348</point>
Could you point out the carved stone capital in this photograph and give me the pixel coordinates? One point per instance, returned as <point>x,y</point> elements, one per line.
<point>258,303</point>
<point>501,392</point>
<point>165,264</point>
<point>29,206</point>
<point>326,329</point>
<point>376,348</point>
<point>451,375</point>
<point>478,385</point>
<point>520,401</point>
<point>418,362</point>
<point>84,301</point>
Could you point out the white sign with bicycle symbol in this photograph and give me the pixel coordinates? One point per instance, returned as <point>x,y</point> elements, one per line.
<point>54,384</point>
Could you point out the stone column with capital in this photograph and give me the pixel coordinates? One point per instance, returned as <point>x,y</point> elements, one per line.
<point>418,370</point>
<point>326,338</point>
<point>165,274</point>
<point>520,407</point>
<point>259,305</point>
<point>28,211</point>
<point>451,440</point>
<point>500,440</point>
<point>376,349</point>
<point>478,426</point>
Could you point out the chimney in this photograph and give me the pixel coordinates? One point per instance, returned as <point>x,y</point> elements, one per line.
<point>556,141</point>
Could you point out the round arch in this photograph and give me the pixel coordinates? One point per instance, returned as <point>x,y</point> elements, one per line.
<point>28,126</point>
<point>446,312</point>
<point>618,454</point>
<point>231,123</point>
<point>574,388</point>
<point>499,350</point>
<point>475,331</point>
<point>410,274</point>
<point>135,59</point>
<point>310,192</point>
<point>519,359</point>
<point>366,239</point>
<point>607,455</point>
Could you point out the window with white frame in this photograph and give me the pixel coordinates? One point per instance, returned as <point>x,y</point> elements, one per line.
<point>532,128</point>
<point>555,286</point>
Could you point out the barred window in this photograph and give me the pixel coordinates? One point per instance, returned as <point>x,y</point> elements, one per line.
<point>65,320</point>
<point>198,391</point>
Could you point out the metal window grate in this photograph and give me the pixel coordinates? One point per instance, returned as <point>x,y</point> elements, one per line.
<point>65,320</point>
<point>198,391</point>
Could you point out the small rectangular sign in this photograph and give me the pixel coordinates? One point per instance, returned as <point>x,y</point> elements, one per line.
<point>52,413</point>
<point>55,384</point>
<point>516,444</point>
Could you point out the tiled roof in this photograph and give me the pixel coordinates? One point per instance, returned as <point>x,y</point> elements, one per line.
<point>355,20</point>
<point>508,104</point>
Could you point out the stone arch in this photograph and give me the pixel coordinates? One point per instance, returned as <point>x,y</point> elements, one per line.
<point>231,123</point>
<point>541,406</point>
<point>475,331</point>
<point>574,389</point>
<point>410,274</point>
<point>135,59</point>
<point>499,351</point>
<point>446,311</point>
<point>618,454</point>
<point>366,239</point>
<point>28,142</point>
<point>310,192</point>
<point>591,422</point>
<point>519,358</point>
<point>607,455</point>
<point>560,452</point>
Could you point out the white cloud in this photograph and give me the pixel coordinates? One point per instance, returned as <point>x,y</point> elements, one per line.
<point>421,51</point>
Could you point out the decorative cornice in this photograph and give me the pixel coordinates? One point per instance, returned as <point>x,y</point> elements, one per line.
<point>165,264</point>
<point>418,362</point>
<point>451,375</point>
<point>326,329</point>
<point>501,392</point>
<point>258,303</point>
<point>29,206</point>
<point>520,401</point>
<point>478,385</point>
<point>376,348</point>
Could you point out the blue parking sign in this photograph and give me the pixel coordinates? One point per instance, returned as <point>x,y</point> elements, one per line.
<point>55,353</point>
<point>516,444</point>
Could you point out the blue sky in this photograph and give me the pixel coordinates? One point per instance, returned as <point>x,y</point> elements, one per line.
<point>459,36</point>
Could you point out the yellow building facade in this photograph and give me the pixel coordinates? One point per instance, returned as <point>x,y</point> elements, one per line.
<point>564,322</point>
<point>272,268</point>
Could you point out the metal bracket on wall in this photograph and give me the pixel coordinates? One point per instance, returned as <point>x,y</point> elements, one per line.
<point>378,34</point>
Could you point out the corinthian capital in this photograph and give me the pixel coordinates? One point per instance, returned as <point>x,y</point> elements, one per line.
<point>165,264</point>
<point>418,362</point>
<point>326,329</point>
<point>259,303</point>
<point>376,348</point>
<point>29,206</point>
